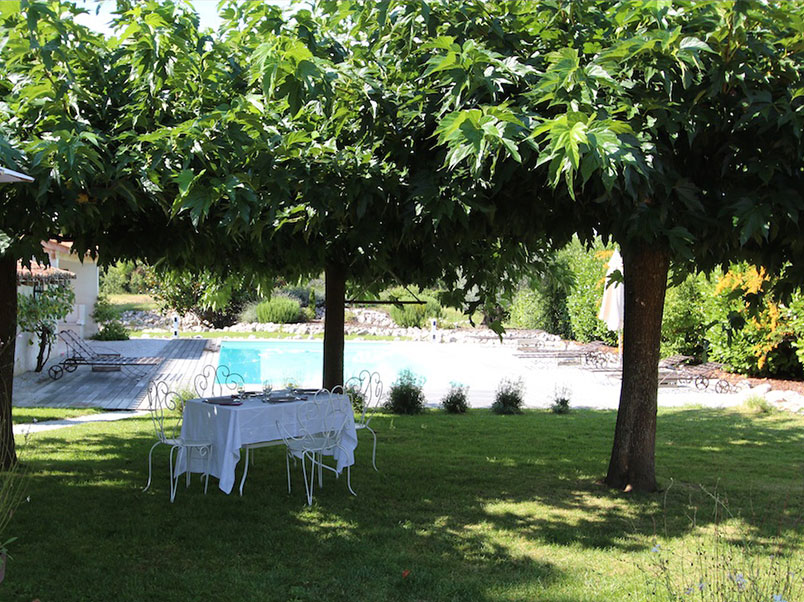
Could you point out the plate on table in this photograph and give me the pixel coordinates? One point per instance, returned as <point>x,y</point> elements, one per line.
<point>283,396</point>
<point>224,402</point>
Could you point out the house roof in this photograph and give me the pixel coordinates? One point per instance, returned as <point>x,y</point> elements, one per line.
<point>56,246</point>
<point>9,175</point>
<point>39,274</point>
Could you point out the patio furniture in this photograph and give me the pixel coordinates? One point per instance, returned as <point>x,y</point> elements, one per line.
<point>215,381</point>
<point>166,409</point>
<point>79,353</point>
<point>367,388</point>
<point>320,432</point>
<point>232,424</point>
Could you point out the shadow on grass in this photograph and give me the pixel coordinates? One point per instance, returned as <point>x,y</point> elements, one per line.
<point>472,506</point>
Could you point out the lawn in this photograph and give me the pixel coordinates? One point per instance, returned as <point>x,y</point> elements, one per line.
<point>132,302</point>
<point>30,415</point>
<point>476,507</point>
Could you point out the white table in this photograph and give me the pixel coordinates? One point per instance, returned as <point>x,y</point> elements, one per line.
<point>231,427</point>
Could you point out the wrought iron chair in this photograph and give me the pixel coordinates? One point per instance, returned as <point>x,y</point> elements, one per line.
<point>320,431</point>
<point>214,381</point>
<point>166,409</point>
<point>367,389</point>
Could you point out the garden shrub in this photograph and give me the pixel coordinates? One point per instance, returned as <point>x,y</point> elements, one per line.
<point>124,277</point>
<point>542,303</point>
<point>412,315</point>
<point>583,301</point>
<point>757,404</point>
<point>107,316</point>
<point>751,333</point>
<point>249,312</point>
<point>111,331</point>
<point>509,397</point>
<point>561,400</point>
<point>528,310</point>
<point>278,310</point>
<point>454,401</point>
<point>356,396</point>
<point>215,301</point>
<point>300,293</point>
<point>406,395</point>
<point>685,322</point>
<point>113,280</point>
<point>39,314</point>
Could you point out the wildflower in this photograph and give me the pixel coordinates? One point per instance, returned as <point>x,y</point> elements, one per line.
<point>689,590</point>
<point>701,586</point>
<point>28,499</point>
<point>656,548</point>
<point>738,580</point>
<point>778,598</point>
<point>405,573</point>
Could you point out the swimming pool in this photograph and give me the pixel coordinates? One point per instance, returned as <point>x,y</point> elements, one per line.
<point>301,362</point>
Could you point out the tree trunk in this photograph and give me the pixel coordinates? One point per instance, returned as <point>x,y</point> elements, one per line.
<point>8,336</point>
<point>335,282</point>
<point>632,464</point>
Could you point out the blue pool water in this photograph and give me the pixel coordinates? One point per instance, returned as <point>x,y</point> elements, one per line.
<point>301,362</point>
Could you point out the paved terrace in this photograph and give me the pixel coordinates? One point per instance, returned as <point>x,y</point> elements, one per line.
<point>183,358</point>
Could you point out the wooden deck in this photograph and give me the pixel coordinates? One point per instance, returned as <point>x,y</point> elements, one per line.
<point>183,358</point>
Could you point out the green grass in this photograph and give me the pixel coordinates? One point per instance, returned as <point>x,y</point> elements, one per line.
<point>477,507</point>
<point>28,415</point>
<point>131,302</point>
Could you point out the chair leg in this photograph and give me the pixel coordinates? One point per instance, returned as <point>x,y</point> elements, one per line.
<point>150,456</point>
<point>245,473</point>
<point>188,454</point>
<point>287,464</point>
<point>308,483</point>
<point>320,469</point>
<point>173,483</point>
<point>374,449</point>
<point>349,480</point>
<point>206,482</point>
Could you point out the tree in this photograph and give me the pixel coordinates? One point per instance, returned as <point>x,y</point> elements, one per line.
<point>674,129</point>
<point>288,155</point>
<point>52,81</point>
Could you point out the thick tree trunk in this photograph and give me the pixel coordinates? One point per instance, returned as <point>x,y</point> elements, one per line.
<point>335,276</point>
<point>632,465</point>
<point>8,336</point>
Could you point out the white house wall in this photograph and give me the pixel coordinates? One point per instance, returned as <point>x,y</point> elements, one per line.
<point>85,286</point>
<point>26,345</point>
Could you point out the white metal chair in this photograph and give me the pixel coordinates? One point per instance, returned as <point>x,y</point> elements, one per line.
<point>214,381</point>
<point>249,449</point>
<point>367,387</point>
<point>166,409</point>
<point>319,433</point>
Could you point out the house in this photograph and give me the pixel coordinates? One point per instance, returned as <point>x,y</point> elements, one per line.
<point>65,266</point>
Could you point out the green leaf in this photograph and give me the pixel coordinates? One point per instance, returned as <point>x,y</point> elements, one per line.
<point>690,43</point>
<point>441,63</point>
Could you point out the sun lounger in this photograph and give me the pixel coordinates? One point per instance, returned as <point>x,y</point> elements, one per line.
<point>81,354</point>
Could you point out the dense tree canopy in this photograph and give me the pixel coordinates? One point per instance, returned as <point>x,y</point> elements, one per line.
<point>422,143</point>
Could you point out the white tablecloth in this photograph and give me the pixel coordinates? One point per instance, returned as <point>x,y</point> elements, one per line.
<point>231,427</point>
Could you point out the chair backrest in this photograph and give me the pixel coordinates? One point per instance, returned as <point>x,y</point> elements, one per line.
<point>367,388</point>
<point>319,425</point>
<point>166,409</point>
<point>76,346</point>
<point>214,381</point>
